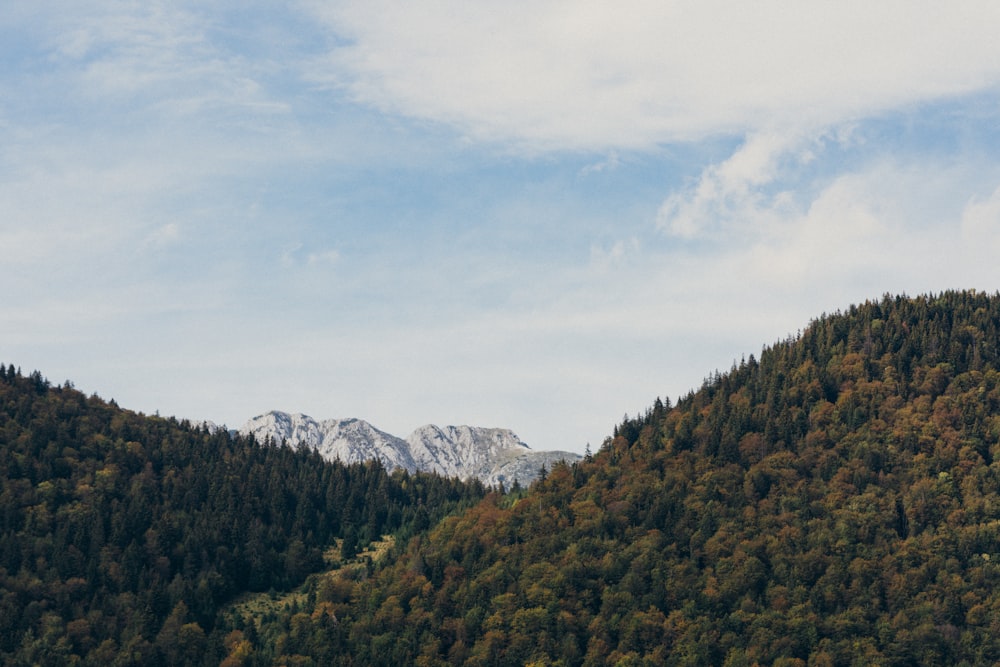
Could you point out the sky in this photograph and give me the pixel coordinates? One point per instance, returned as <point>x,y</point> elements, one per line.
<point>532,215</point>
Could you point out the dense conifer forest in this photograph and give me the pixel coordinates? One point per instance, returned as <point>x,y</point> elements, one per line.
<point>835,501</point>
<point>122,536</point>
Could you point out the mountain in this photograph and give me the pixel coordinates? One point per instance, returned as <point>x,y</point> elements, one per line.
<point>345,440</point>
<point>835,501</point>
<point>492,455</point>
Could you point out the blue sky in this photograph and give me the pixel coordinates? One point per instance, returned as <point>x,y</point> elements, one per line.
<point>536,215</point>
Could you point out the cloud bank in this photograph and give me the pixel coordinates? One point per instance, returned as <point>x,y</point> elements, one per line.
<point>570,75</point>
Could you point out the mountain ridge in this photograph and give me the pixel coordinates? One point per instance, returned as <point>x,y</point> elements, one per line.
<point>494,456</point>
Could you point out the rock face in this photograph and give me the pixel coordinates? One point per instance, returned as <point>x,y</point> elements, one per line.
<point>492,455</point>
<point>346,440</point>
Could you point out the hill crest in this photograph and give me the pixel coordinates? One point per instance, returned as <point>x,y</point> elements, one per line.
<point>836,501</point>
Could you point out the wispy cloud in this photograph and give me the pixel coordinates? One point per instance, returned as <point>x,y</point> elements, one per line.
<point>604,258</point>
<point>737,190</point>
<point>164,235</point>
<point>980,223</point>
<point>612,161</point>
<point>299,255</point>
<point>154,56</point>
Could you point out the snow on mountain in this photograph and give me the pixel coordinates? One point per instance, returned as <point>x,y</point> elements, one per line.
<point>493,455</point>
<point>461,451</point>
<point>346,440</point>
<point>523,467</point>
<point>209,426</point>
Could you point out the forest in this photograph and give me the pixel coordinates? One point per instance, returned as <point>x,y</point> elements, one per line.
<point>834,500</point>
<point>123,536</point>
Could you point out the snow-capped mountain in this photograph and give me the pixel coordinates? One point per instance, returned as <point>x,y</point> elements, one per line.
<point>493,455</point>
<point>461,451</point>
<point>347,440</point>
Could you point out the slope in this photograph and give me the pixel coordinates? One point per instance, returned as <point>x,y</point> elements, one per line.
<point>122,535</point>
<point>835,502</point>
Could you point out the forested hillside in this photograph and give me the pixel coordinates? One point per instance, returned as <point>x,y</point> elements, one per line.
<point>123,535</point>
<point>833,502</point>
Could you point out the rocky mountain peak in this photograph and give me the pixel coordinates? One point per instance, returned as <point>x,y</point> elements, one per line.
<point>492,455</point>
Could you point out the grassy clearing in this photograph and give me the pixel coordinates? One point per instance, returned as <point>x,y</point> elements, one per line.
<point>259,605</point>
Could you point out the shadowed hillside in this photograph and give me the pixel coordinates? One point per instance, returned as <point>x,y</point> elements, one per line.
<point>122,536</point>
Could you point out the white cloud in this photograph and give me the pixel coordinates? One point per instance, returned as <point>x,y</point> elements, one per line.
<point>611,162</point>
<point>323,257</point>
<point>733,190</point>
<point>565,74</point>
<point>158,61</point>
<point>981,222</point>
<point>299,255</point>
<point>121,49</point>
<point>888,225</point>
<point>844,233</point>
